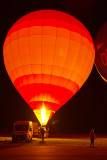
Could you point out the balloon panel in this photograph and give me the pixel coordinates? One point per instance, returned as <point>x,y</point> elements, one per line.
<point>48,56</point>
<point>101,51</point>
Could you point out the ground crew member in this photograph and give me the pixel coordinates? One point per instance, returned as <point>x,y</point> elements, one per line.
<point>92,137</point>
<point>42,134</point>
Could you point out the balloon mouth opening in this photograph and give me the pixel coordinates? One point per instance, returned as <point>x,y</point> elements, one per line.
<point>43,114</point>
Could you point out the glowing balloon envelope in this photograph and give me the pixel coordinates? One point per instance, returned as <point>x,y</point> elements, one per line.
<point>48,55</point>
<point>101,51</point>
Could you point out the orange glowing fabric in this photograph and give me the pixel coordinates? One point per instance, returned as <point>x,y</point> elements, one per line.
<point>48,55</point>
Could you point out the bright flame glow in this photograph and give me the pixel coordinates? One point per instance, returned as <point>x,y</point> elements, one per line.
<point>43,115</point>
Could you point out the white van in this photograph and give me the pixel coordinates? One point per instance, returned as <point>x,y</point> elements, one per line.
<point>22,130</point>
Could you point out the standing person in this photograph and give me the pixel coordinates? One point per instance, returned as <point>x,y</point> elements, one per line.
<point>42,133</point>
<point>92,137</point>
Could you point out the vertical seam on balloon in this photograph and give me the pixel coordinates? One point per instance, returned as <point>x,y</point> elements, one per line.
<point>90,61</point>
<point>48,88</point>
<point>78,54</point>
<point>66,54</point>
<point>29,52</point>
<point>19,56</point>
<point>41,53</point>
<point>76,61</point>
<point>54,55</point>
<point>18,52</point>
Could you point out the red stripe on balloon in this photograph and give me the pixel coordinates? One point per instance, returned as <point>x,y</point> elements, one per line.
<point>44,78</point>
<point>66,21</point>
<point>35,92</point>
<point>54,96</point>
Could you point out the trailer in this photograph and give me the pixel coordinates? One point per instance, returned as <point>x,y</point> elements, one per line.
<point>35,129</point>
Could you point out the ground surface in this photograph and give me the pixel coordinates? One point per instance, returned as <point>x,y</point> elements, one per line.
<point>53,149</point>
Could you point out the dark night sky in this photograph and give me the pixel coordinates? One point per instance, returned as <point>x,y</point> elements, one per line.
<point>85,110</point>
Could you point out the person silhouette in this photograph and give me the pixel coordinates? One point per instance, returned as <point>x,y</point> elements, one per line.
<point>92,137</point>
<point>42,133</point>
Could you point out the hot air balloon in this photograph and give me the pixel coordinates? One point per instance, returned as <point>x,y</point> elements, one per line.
<point>101,51</point>
<point>48,55</point>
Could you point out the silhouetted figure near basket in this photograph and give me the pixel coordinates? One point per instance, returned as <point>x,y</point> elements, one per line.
<point>42,134</point>
<point>92,137</point>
